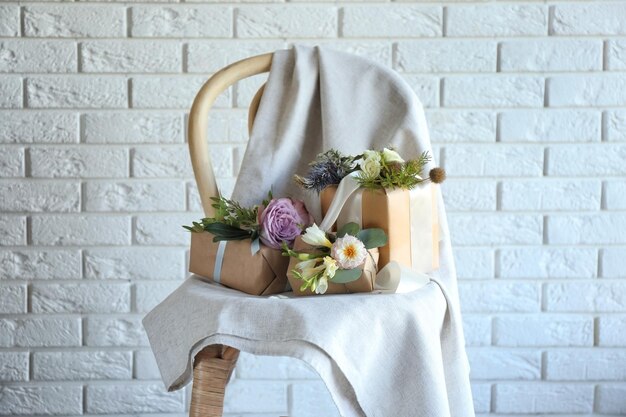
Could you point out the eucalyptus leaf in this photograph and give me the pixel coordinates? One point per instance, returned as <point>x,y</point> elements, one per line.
<point>372,238</point>
<point>349,229</point>
<point>343,276</point>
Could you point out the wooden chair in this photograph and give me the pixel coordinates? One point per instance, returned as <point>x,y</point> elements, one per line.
<point>214,365</point>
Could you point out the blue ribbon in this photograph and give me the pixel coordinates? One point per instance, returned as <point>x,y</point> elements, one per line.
<point>219,260</point>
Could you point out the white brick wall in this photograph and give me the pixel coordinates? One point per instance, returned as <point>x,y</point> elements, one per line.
<point>525,103</point>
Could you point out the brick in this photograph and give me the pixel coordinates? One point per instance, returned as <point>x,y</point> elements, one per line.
<point>589,19</point>
<point>574,90</point>
<point>611,331</point>
<point>13,366</point>
<point>615,125</point>
<point>158,229</point>
<point>286,21</point>
<point>228,126</point>
<point>590,160</point>
<point>488,160</point>
<point>543,330</point>
<point>616,59</point>
<point>172,92</point>
<point>164,162</point>
<point>74,21</point>
<point>613,263</point>
<point>446,56</point>
<point>615,194</point>
<point>461,126</point>
<point>79,162</point>
<point>391,21</point>
<point>426,89</point>
<point>493,91</point>
<point>311,399</point>
<point>135,263</point>
<point>586,297</point>
<point>210,56</point>
<point>272,367</point>
<point>466,195</point>
<point>162,195</point>
<point>610,399</point>
<point>472,229</point>
<point>9,20</point>
<point>586,365</point>
<point>40,196</point>
<point>77,92</point>
<point>131,56</point>
<point>10,92</point>
<point>149,294</point>
<point>33,264</point>
<point>482,397</point>
<point>497,20</point>
<point>83,230</point>
<point>126,331</point>
<point>36,332</point>
<point>80,298</point>
<point>12,162</point>
<point>477,330</point>
<point>12,230</point>
<point>548,125</point>
<point>12,299</point>
<point>543,398</point>
<point>490,364</point>
<point>199,21</point>
<point>133,398</point>
<point>50,400</point>
<point>38,127</point>
<point>76,366</point>
<point>28,56</point>
<point>551,55</point>
<point>255,396</point>
<point>499,297</point>
<point>548,194</point>
<point>586,229</point>
<point>133,127</point>
<point>145,366</point>
<point>542,262</point>
<point>474,263</point>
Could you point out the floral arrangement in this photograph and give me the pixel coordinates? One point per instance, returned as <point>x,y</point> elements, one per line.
<point>374,169</point>
<point>335,257</point>
<point>276,222</point>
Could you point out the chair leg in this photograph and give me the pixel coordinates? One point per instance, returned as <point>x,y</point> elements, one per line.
<point>211,371</point>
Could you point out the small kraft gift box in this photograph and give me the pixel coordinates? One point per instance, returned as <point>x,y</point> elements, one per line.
<point>409,217</point>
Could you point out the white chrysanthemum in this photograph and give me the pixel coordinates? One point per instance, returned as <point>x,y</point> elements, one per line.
<point>371,167</point>
<point>315,236</point>
<point>349,252</point>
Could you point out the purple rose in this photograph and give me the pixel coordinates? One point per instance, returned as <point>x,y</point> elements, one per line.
<point>282,221</point>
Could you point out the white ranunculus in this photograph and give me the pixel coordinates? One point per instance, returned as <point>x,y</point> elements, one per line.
<point>370,167</point>
<point>375,155</point>
<point>322,285</point>
<point>315,236</point>
<point>390,156</point>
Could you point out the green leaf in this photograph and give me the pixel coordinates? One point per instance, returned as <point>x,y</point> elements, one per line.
<point>372,238</point>
<point>343,276</point>
<point>223,231</point>
<point>348,229</point>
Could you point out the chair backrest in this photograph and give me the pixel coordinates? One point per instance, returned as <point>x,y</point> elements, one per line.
<point>198,120</point>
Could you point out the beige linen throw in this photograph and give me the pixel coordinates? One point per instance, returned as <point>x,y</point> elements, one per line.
<point>380,355</point>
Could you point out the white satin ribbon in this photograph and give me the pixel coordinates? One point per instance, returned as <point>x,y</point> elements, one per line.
<point>346,188</point>
<point>219,260</point>
<point>396,278</point>
<point>421,214</point>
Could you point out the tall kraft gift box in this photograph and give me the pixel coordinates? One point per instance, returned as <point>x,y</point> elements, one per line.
<point>408,217</point>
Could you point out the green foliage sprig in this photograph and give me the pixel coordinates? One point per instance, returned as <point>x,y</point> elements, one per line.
<point>405,175</point>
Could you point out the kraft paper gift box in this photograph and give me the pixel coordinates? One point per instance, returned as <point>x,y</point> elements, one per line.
<point>365,283</point>
<point>263,273</point>
<point>408,217</point>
